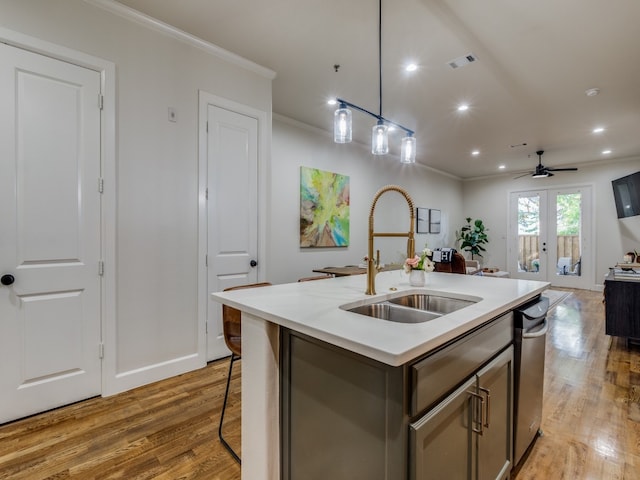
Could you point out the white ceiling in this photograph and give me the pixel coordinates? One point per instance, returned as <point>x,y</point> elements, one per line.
<point>535,61</point>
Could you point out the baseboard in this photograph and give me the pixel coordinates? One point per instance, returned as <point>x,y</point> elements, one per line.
<point>124,381</point>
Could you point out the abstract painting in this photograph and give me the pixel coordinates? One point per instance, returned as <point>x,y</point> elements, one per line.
<point>324,208</point>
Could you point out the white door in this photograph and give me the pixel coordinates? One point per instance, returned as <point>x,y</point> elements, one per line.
<point>232,219</point>
<point>50,233</point>
<point>550,232</point>
<point>570,237</point>
<point>528,249</point>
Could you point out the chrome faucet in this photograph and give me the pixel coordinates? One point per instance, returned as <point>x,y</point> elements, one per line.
<point>374,267</point>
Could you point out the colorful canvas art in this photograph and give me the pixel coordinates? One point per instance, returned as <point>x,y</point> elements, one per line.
<point>324,208</point>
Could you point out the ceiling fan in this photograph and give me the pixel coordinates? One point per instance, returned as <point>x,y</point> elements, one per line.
<point>541,171</point>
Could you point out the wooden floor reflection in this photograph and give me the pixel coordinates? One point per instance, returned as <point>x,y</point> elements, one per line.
<point>591,410</point>
<point>167,430</point>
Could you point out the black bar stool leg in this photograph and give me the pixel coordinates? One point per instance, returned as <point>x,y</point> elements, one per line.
<point>224,406</point>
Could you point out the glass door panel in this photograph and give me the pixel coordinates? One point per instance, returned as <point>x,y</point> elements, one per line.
<point>528,249</point>
<point>570,236</point>
<point>568,222</point>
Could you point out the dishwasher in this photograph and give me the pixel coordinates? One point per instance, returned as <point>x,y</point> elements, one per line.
<point>530,330</point>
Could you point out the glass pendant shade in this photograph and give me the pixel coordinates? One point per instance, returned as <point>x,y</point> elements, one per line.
<point>380,139</point>
<point>408,150</point>
<point>342,125</point>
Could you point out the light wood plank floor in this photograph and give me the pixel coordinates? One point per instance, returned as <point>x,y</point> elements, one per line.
<point>168,430</point>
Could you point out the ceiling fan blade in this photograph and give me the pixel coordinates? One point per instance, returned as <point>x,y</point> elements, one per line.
<point>568,169</point>
<point>525,174</point>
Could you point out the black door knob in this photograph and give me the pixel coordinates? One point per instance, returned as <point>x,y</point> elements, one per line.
<point>253,263</point>
<point>7,279</point>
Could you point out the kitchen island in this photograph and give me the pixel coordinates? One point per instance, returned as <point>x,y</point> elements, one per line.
<point>319,311</point>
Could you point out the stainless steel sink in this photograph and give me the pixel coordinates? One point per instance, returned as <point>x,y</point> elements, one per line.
<point>394,313</point>
<point>412,308</point>
<point>432,303</point>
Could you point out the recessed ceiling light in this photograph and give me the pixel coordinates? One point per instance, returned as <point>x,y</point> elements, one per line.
<point>502,167</point>
<point>606,152</point>
<point>475,152</point>
<point>332,101</point>
<point>592,92</point>
<point>598,130</point>
<point>463,107</point>
<point>411,67</point>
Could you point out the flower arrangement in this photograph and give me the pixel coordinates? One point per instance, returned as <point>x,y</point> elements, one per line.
<point>420,262</point>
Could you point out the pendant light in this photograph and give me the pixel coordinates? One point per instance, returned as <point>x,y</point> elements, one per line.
<point>342,126</point>
<point>408,149</point>
<point>380,139</point>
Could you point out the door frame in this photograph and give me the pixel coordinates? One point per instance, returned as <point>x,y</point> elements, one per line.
<point>587,279</point>
<point>264,148</point>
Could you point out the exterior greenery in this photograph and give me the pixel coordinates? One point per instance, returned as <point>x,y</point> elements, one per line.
<point>567,214</point>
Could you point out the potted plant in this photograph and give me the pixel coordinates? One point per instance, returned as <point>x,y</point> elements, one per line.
<point>473,236</point>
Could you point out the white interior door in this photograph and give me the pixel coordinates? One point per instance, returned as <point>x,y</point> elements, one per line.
<point>50,234</point>
<point>550,236</point>
<point>232,219</point>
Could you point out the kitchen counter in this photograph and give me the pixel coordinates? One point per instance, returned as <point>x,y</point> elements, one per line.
<point>314,308</point>
<point>317,309</point>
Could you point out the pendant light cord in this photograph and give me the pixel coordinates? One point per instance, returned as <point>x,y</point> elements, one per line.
<point>380,54</point>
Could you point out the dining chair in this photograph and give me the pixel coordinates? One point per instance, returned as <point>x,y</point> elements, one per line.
<point>232,332</point>
<point>457,265</point>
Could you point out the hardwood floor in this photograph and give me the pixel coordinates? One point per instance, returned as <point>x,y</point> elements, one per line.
<point>168,430</point>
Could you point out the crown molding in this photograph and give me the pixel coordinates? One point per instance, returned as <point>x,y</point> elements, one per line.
<point>138,17</point>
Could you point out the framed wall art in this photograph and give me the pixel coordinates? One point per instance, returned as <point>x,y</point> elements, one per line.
<point>434,221</point>
<point>324,208</point>
<point>422,220</point>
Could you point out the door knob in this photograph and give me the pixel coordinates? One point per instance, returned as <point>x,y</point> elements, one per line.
<point>253,263</point>
<point>7,279</point>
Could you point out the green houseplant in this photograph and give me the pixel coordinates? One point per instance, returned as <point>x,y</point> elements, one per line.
<point>473,236</point>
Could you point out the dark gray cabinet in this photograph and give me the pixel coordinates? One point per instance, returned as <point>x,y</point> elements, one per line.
<point>447,414</point>
<point>468,435</point>
<point>342,414</point>
<point>622,307</point>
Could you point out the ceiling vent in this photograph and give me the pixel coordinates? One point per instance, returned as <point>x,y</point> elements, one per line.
<point>462,61</point>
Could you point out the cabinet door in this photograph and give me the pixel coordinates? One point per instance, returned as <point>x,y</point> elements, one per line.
<point>495,383</point>
<point>441,441</point>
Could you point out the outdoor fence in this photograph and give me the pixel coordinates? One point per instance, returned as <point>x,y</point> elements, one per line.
<point>529,250</point>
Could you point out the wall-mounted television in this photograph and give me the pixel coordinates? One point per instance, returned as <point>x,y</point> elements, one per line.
<point>626,191</point>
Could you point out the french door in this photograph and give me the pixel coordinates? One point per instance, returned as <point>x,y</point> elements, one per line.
<point>550,236</point>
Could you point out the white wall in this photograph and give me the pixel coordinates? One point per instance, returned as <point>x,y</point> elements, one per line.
<point>488,199</point>
<point>157,173</point>
<point>295,145</point>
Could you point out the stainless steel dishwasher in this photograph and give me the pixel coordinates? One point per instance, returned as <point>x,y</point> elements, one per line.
<point>530,330</point>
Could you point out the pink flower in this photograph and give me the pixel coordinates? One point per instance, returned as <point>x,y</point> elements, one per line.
<point>411,263</point>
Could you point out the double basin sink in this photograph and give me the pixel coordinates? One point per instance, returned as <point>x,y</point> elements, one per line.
<point>413,307</point>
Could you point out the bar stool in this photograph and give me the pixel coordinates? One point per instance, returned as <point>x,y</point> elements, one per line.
<point>232,331</point>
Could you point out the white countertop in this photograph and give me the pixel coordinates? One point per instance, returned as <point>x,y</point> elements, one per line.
<point>313,308</point>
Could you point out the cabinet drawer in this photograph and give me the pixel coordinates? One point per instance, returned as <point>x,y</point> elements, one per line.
<point>440,373</point>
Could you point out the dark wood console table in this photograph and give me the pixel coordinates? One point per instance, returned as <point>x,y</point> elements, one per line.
<point>622,307</point>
